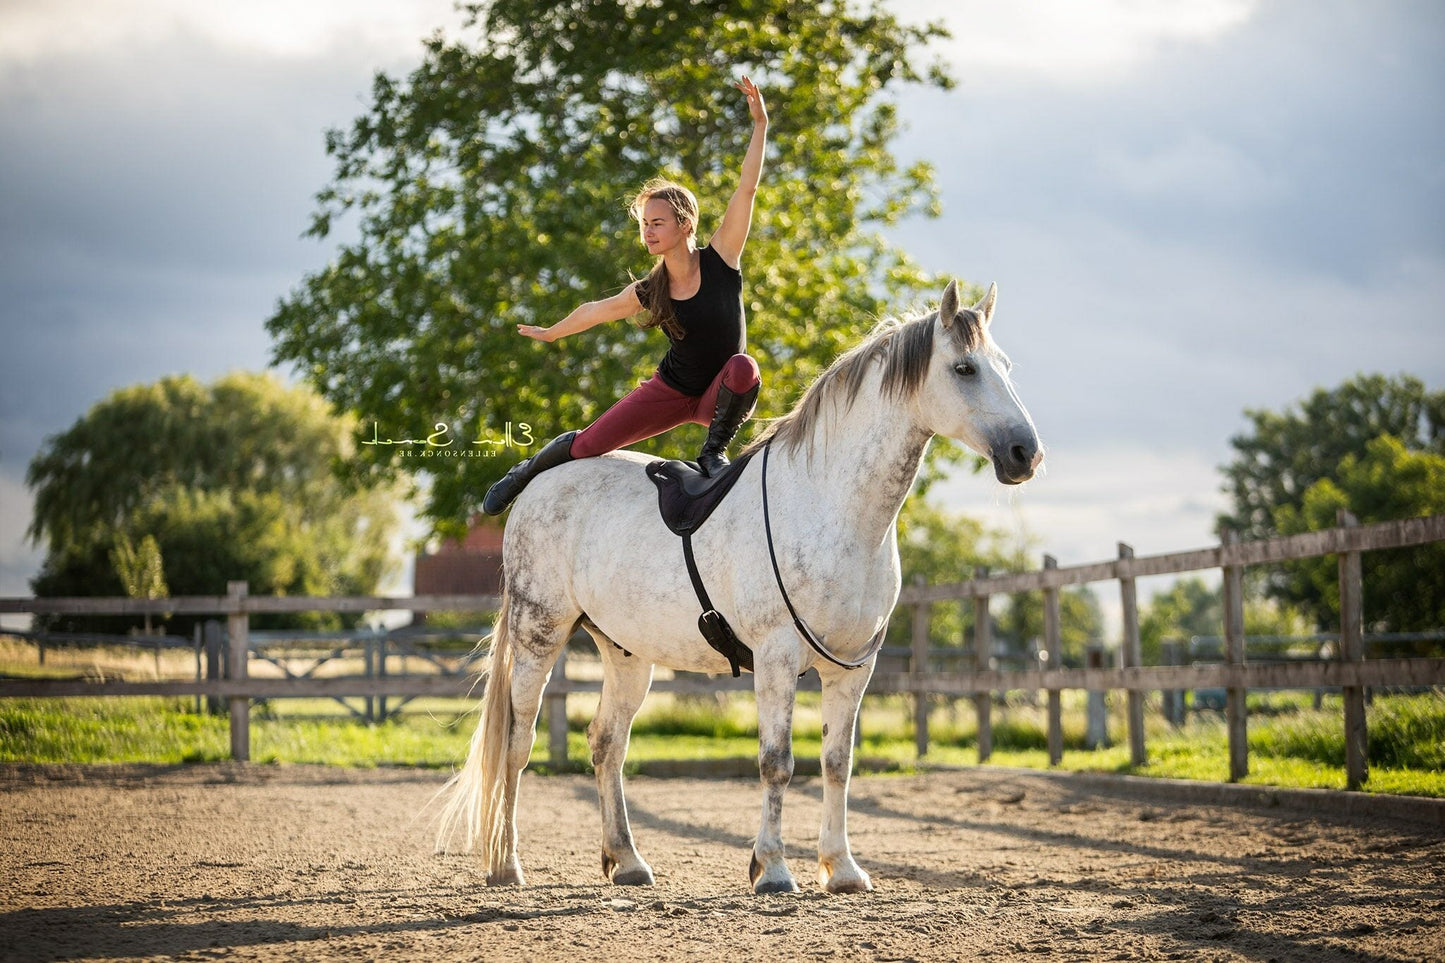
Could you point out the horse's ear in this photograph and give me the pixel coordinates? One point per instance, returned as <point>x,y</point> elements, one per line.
<point>986,305</point>
<point>948,307</point>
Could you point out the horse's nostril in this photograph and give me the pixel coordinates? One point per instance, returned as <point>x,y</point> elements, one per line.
<point>1020,454</point>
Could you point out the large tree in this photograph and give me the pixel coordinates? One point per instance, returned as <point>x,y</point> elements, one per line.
<point>231,480</point>
<point>1404,589</point>
<point>1286,452</point>
<point>487,188</point>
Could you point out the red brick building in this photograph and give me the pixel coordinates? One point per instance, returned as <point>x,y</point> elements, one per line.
<point>471,566</point>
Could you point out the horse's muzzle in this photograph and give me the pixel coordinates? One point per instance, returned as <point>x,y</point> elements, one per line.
<point>1016,456</point>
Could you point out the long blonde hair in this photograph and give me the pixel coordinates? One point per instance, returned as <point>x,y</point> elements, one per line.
<point>658,299</point>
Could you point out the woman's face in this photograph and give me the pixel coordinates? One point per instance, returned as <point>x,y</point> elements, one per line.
<point>661,230</point>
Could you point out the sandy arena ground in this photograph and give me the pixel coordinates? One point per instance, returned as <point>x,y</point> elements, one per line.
<point>307,863</point>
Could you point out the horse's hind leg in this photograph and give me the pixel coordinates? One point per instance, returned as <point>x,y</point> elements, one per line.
<point>625,681</point>
<point>842,692</point>
<point>536,640</point>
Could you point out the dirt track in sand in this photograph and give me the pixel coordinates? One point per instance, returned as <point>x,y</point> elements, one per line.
<point>309,863</point>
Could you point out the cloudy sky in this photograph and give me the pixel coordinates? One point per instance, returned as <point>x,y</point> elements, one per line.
<point>1190,208</point>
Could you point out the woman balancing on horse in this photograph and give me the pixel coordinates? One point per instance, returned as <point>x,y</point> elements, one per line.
<point>695,296</point>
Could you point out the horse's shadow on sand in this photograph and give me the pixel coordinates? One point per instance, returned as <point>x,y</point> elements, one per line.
<point>169,927</point>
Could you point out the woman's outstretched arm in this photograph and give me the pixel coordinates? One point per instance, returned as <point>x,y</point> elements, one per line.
<point>732,233</point>
<point>622,305</point>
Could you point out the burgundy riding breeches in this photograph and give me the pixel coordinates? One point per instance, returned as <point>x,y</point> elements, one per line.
<point>654,406</point>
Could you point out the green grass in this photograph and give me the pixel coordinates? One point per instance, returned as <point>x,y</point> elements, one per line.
<point>167,731</point>
<point>1291,744</point>
<point>108,730</point>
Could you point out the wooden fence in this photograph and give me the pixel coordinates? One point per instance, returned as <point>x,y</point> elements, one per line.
<point>1351,672</point>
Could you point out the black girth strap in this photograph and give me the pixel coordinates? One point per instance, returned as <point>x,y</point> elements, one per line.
<point>686,498</point>
<point>711,624</point>
<point>679,486</point>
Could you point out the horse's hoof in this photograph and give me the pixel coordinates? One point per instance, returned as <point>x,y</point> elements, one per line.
<point>859,885</point>
<point>843,879</point>
<point>642,876</point>
<point>761,884</point>
<point>639,875</point>
<point>506,877</point>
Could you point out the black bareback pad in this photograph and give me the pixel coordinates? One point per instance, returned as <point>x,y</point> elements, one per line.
<point>686,497</point>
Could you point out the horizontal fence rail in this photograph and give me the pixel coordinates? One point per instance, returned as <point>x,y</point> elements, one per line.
<point>1285,548</point>
<point>243,604</point>
<point>1351,673</point>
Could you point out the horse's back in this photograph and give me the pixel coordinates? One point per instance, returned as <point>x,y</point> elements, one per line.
<point>584,516</point>
<point>587,538</point>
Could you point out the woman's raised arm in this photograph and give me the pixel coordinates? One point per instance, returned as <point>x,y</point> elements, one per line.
<point>732,233</point>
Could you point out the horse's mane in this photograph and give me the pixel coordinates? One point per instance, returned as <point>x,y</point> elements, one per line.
<point>904,346</point>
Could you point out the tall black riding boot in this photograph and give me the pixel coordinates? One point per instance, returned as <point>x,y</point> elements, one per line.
<point>732,410</point>
<point>556,452</point>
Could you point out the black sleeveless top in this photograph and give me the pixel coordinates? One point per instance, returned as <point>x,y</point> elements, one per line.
<point>715,325</point>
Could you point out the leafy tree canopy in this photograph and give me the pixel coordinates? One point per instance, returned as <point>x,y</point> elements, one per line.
<point>1332,431</point>
<point>1286,452</point>
<point>1404,589</point>
<point>232,480</point>
<point>488,189</point>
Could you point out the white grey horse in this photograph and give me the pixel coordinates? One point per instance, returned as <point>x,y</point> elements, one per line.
<point>585,545</point>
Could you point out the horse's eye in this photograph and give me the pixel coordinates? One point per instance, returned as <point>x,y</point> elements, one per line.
<point>965,368</point>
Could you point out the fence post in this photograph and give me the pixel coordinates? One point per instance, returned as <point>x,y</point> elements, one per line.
<point>1173,699</point>
<point>557,714</point>
<point>1133,658</point>
<point>1352,649</point>
<point>1236,711</point>
<point>196,644</point>
<point>368,665</point>
<point>1053,661</point>
<point>1096,735</point>
<point>238,624</point>
<point>215,668</point>
<point>381,710</point>
<point>917,669</point>
<point>982,655</point>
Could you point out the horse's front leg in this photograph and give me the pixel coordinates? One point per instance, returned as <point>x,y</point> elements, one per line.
<point>842,692</point>
<point>775,682</point>
<point>625,682</point>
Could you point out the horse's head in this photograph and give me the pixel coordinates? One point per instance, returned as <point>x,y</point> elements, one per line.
<point>968,395</point>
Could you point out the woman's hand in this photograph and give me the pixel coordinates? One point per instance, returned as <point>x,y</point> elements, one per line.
<point>756,108</point>
<point>534,332</point>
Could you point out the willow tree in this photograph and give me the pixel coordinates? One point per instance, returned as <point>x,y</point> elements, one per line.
<point>487,189</point>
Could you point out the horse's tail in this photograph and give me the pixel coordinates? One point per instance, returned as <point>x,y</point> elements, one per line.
<point>475,796</point>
